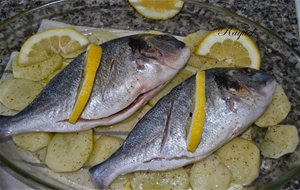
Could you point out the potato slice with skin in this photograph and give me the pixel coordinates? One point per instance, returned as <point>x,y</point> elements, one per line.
<point>104,147</point>
<point>16,94</point>
<point>210,173</point>
<point>32,141</point>
<point>68,152</point>
<point>173,179</point>
<point>38,71</point>
<point>242,158</point>
<point>279,140</point>
<point>276,111</point>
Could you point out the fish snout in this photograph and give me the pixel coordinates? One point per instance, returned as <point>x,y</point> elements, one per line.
<point>176,59</point>
<point>263,77</point>
<point>255,79</point>
<point>173,53</point>
<point>261,82</point>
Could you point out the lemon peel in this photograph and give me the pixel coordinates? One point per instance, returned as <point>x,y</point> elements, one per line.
<point>92,61</point>
<point>198,119</point>
<point>232,46</point>
<point>44,45</point>
<point>157,9</point>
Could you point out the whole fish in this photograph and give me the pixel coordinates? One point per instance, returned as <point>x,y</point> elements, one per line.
<point>132,70</point>
<point>235,98</point>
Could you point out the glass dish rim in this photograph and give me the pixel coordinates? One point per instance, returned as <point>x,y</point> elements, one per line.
<point>29,179</point>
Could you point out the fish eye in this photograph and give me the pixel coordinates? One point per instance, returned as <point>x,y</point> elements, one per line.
<point>227,82</point>
<point>137,44</point>
<point>142,47</point>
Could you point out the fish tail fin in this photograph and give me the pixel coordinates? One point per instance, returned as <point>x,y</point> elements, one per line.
<point>4,129</point>
<point>103,174</point>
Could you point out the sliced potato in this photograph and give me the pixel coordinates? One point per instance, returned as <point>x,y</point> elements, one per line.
<point>247,134</point>
<point>41,154</point>
<point>68,152</point>
<point>179,78</point>
<point>52,75</point>
<point>235,187</point>
<point>38,71</point>
<point>174,179</point>
<point>193,39</point>
<point>204,63</point>
<point>16,94</point>
<point>124,127</point>
<point>210,173</point>
<point>104,147</point>
<point>99,36</point>
<point>279,140</point>
<point>6,111</point>
<point>32,141</point>
<point>277,110</point>
<point>122,182</point>
<point>182,75</point>
<point>242,158</point>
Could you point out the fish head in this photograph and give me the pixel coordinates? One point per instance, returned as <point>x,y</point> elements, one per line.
<point>245,90</point>
<point>170,51</point>
<point>158,57</point>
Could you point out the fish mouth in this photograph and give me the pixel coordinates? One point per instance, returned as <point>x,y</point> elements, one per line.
<point>141,100</point>
<point>182,55</point>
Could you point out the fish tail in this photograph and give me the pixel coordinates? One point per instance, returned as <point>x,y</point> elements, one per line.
<point>4,129</point>
<point>103,174</point>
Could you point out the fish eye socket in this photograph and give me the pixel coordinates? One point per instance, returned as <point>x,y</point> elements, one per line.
<point>137,44</point>
<point>227,82</point>
<point>141,47</point>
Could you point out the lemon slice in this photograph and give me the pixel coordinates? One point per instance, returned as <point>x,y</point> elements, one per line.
<point>157,9</point>
<point>234,47</point>
<point>92,62</point>
<point>44,45</point>
<point>198,119</point>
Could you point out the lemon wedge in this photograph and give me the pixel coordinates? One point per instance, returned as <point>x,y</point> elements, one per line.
<point>92,63</point>
<point>198,119</point>
<point>232,46</point>
<point>44,45</point>
<point>157,9</point>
